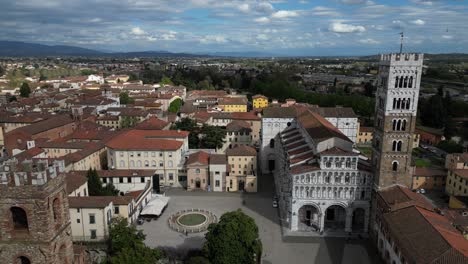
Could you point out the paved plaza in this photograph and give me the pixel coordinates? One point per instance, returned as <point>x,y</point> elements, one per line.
<point>276,248</point>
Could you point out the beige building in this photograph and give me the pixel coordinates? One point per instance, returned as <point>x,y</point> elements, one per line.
<point>365,135</point>
<point>237,133</point>
<point>197,171</point>
<point>457,176</point>
<point>255,122</point>
<point>242,161</point>
<point>90,217</point>
<point>160,151</point>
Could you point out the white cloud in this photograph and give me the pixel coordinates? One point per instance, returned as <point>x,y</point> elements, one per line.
<point>369,41</point>
<point>418,22</point>
<point>262,37</point>
<point>264,7</point>
<point>325,11</point>
<point>213,39</point>
<point>356,2</point>
<point>284,14</point>
<point>138,31</point>
<point>244,7</point>
<point>303,2</point>
<point>447,37</point>
<point>338,27</point>
<point>262,20</point>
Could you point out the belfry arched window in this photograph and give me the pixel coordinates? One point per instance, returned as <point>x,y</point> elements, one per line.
<point>410,83</point>
<point>396,82</point>
<point>20,218</point>
<point>395,166</point>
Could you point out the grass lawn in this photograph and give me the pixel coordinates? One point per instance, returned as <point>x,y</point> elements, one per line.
<point>366,151</point>
<point>422,163</point>
<point>192,219</point>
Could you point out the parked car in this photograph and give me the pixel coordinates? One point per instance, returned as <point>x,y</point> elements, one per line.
<point>275,204</point>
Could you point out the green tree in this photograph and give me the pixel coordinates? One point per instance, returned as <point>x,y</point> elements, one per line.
<point>124,98</point>
<point>25,90</point>
<point>2,71</point>
<point>13,98</point>
<point>212,137</point>
<point>128,121</point>
<point>175,105</point>
<point>126,244</point>
<point>450,146</point>
<point>166,81</point>
<point>433,112</point>
<point>450,128</point>
<point>95,187</point>
<point>198,260</point>
<point>234,239</point>
<point>187,124</point>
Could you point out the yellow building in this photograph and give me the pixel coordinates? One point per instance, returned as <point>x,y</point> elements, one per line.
<point>365,134</point>
<point>259,101</point>
<point>457,182</point>
<point>429,178</point>
<point>233,104</point>
<point>242,163</point>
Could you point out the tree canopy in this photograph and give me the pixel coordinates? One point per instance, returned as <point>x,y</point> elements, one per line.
<point>166,81</point>
<point>234,239</point>
<point>25,90</point>
<point>175,105</point>
<point>126,244</point>
<point>128,121</point>
<point>95,185</point>
<point>125,98</point>
<point>201,137</point>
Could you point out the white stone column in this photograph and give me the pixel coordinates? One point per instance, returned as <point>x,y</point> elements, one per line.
<point>349,219</point>
<point>321,219</point>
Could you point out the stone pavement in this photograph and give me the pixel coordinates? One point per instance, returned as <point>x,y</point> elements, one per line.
<point>277,249</point>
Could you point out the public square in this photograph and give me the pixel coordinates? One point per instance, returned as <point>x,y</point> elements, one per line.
<point>276,248</point>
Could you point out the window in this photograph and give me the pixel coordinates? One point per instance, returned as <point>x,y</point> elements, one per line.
<point>93,233</point>
<point>139,164</point>
<point>171,176</point>
<point>92,219</point>
<point>78,220</point>
<point>129,179</point>
<point>272,143</point>
<point>23,260</point>
<point>146,163</point>
<point>217,183</point>
<point>122,163</point>
<point>197,170</point>
<point>170,154</point>
<point>104,180</point>
<point>20,219</point>
<point>116,210</point>
<point>120,179</point>
<point>394,165</point>
<point>161,164</point>
<point>170,164</point>
<point>56,209</point>
<point>142,179</point>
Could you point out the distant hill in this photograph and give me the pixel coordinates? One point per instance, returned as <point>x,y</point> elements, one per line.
<point>22,49</point>
<point>244,54</point>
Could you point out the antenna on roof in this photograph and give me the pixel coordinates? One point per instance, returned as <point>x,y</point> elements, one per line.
<point>401,42</point>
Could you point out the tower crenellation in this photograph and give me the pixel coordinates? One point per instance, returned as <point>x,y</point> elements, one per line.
<point>35,221</point>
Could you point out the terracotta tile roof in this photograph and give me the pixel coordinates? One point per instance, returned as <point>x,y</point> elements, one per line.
<point>29,154</point>
<point>245,116</point>
<point>279,112</point>
<point>429,172</point>
<point>218,159</point>
<point>134,194</point>
<point>424,236</point>
<point>397,197</point>
<point>366,129</point>
<point>89,201</point>
<point>303,168</point>
<point>199,157</point>
<point>152,123</point>
<point>319,128</point>
<point>41,126</point>
<point>232,101</point>
<point>259,96</point>
<point>75,179</point>
<point>238,126</point>
<point>461,172</point>
<point>241,150</point>
<point>340,112</point>
<point>148,140</point>
<point>338,151</point>
<point>202,116</point>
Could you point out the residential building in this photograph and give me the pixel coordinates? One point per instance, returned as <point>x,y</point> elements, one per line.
<point>255,122</point>
<point>218,171</point>
<point>365,135</point>
<point>429,178</point>
<point>457,175</point>
<point>91,217</point>
<point>242,174</point>
<point>237,133</point>
<point>233,104</point>
<point>259,101</point>
<point>160,151</point>
<point>430,135</point>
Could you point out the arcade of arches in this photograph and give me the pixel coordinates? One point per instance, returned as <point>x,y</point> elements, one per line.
<point>335,218</point>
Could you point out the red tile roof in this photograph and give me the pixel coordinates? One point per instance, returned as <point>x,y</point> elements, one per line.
<point>241,150</point>
<point>200,157</point>
<point>397,197</point>
<point>152,123</point>
<point>148,140</point>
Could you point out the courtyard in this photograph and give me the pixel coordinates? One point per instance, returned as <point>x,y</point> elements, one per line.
<point>276,247</point>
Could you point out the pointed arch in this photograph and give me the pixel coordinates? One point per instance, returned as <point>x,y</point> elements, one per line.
<point>399,145</point>
<point>398,126</point>
<point>396,82</point>
<point>410,83</point>
<point>403,125</point>
<point>408,103</point>
<point>400,84</point>
<point>405,82</point>
<point>394,124</point>
<point>394,145</point>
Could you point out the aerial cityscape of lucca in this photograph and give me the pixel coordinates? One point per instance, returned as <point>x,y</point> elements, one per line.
<point>234,132</point>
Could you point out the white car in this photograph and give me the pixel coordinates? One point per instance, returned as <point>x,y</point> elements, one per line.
<point>275,204</point>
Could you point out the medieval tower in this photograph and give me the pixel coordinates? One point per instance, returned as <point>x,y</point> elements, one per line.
<point>35,221</point>
<point>395,118</point>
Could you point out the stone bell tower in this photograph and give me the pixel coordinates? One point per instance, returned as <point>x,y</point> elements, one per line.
<point>395,118</point>
<point>34,215</point>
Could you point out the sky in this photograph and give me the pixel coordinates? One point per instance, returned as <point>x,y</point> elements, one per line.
<point>297,28</point>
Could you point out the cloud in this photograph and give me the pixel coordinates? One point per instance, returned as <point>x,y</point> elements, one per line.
<point>284,14</point>
<point>369,41</point>
<point>244,8</point>
<point>138,31</point>
<point>356,2</point>
<point>213,39</point>
<point>447,37</point>
<point>339,27</point>
<point>264,7</point>
<point>262,20</point>
<point>418,22</point>
<point>325,11</point>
